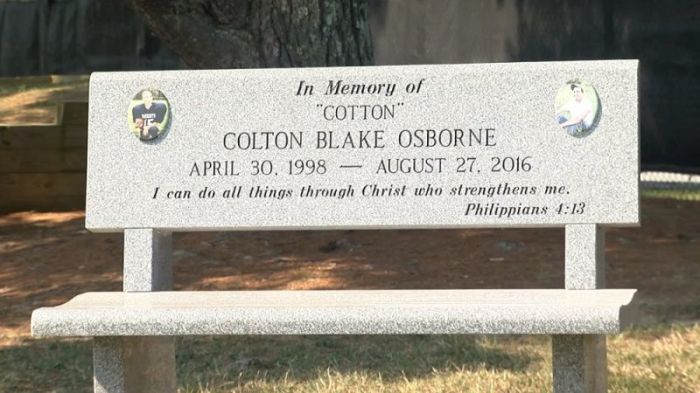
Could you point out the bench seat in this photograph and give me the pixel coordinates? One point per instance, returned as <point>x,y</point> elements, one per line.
<point>182,313</point>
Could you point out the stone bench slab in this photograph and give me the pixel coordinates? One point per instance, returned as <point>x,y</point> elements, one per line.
<point>536,311</point>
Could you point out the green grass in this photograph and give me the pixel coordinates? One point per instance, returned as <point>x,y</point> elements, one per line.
<point>658,359</point>
<point>677,193</point>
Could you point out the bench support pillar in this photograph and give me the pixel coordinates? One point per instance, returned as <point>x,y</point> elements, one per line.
<point>584,257</point>
<point>134,364</point>
<point>579,362</point>
<point>139,364</point>
<point>147,266</point>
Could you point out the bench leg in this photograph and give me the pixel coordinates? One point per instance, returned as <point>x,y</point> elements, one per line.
<point>579,364</point>
<point>139,364</point>
<point>134,365</point>
<point>147,264</point>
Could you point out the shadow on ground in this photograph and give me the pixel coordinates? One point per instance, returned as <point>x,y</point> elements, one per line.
<point>65,365</point>
<point>47,258</point>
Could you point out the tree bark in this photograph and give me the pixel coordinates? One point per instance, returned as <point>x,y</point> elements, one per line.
<point>262,33</point>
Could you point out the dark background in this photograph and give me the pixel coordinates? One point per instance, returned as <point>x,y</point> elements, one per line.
<point>81,36</point>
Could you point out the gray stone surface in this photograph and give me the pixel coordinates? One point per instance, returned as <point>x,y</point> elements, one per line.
<point>517,100</point>
<point>139,364</point>
<point>147,260</point>
<point>131,184</point>
<point>584,257</point>
<point>579,364</point>
<point>548,311</point>
<point>134,365</point>
<point>108,365</point>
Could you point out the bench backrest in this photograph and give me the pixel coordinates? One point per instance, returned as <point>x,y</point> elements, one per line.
<point>439,146</point>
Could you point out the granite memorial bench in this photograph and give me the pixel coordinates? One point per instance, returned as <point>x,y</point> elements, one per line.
<point>443,146</point>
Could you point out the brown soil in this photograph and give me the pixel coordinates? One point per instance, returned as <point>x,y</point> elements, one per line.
<point>36,100</point>
<point>47,258</point>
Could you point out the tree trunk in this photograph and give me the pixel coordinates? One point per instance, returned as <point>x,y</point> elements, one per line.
<point>262,33</point>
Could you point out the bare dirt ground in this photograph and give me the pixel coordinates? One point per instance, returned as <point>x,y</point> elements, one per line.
<point>36,100</point>
<point>47,258</point>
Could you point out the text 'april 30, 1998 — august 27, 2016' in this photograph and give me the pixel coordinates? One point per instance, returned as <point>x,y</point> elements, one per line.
<point>468,144</point>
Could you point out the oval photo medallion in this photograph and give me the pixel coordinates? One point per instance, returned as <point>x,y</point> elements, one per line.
<point>149,115</point>
<point>577,108</point>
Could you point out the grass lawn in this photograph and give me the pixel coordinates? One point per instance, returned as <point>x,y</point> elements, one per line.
<point>677,194</point>
<point>46,258</point>
<point>652,359</point>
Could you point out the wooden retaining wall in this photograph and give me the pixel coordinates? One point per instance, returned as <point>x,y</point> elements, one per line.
<point>43,167</point>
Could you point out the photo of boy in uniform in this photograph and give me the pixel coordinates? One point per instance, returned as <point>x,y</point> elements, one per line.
<point>149,117</point>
